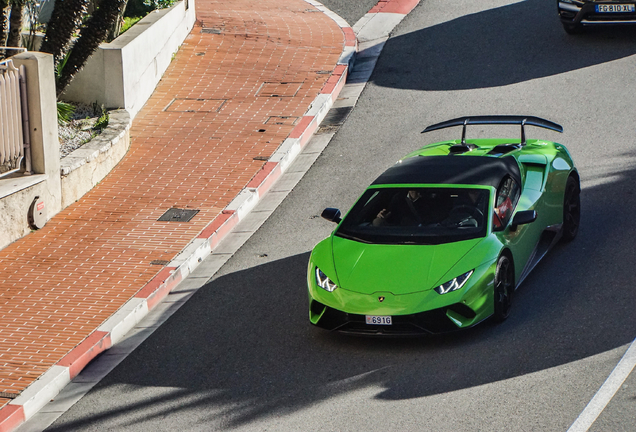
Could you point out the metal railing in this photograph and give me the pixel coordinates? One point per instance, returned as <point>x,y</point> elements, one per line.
<point>14,130</point>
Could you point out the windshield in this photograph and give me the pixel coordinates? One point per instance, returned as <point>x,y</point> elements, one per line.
<point>417,216</point>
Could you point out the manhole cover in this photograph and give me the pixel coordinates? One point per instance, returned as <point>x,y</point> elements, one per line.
<point>195,105</point>
<point>178,215</point>
<point>282,120</point>
<point>279,89</point>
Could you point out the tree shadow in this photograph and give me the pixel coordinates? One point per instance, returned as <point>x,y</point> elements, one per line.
<point>497,47</point>
<point>243,344</point>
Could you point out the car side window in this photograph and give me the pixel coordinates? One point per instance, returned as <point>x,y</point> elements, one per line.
<point>505,202</point>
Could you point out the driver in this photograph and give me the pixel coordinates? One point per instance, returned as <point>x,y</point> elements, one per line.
<point>403,210</point>
<point>465,212</point>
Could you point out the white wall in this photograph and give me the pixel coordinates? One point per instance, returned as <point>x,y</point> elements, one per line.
<point>125,72</point>
<point>18,192</point>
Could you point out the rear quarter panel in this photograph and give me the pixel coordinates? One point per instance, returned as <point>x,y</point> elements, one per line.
<point>559,169</point>
<point>545,167</point>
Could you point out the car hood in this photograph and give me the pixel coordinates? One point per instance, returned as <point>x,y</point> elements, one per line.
<point>398,269</point>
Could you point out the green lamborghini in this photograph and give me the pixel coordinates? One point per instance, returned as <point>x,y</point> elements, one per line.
<point>441,240</point>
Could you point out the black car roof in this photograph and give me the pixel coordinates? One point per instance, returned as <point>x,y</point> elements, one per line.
<point>451,169</point>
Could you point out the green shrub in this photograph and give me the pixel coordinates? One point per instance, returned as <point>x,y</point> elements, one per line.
<point>159,4</point>
<point>143,7</point>
<point>103,119</point>
<point>64,112</point>
<point>136,8</point>
<point>101,122</point>
<point>128,23</point>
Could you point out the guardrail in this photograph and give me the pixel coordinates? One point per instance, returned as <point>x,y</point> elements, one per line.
<point>14,130</point>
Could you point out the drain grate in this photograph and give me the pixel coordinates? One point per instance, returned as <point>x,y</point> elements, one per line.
<point>9,395</point>
<point>178,215</point>
<point>159,262</point>
<point>195,105</point>
<point>333,120</point>
<point>211,30</point>
<point>336,116</point>
<point>279,89</point>
<point>327,129</point>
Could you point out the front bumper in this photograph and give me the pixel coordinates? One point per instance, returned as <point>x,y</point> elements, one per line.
<point>442,320</point>
<point>584,13</point>
<point>412,314</point>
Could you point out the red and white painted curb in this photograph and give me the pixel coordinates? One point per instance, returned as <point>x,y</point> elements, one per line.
<point>373,27</point>
<point>382,19</point>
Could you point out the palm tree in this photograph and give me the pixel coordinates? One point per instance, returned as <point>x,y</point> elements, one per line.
<point>12,37</point>
<point>66,19</point>
<point>15,23</point>
<point>92,33</point>
<point>3,26</point>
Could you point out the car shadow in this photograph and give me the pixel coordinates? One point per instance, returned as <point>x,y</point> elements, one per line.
<point>243,344</point>
<point>496,47</point>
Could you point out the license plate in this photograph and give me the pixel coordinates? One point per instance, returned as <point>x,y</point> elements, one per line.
<point>379,320</point>
<point>612,8</point>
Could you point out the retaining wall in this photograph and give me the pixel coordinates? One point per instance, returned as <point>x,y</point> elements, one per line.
<point>85,167</point>
<point>125,72</point>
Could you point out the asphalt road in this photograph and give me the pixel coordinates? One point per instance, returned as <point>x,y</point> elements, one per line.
<point>241,353</point>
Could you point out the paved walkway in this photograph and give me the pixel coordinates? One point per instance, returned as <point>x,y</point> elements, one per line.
<point>206,131</point>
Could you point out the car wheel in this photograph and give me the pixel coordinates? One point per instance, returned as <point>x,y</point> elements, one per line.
<point>572,29</point>
<point>571,209</point>
<point>504,287</point>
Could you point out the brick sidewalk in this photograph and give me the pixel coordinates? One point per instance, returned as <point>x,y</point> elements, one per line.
<point>201,137</point>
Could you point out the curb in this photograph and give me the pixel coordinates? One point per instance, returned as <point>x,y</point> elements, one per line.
<point>372,30</point>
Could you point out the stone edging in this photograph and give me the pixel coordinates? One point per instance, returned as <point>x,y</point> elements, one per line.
<point>88,165</point>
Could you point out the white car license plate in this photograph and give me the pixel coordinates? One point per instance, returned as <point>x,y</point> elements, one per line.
<point>610,8</point>
<point>379,320</point>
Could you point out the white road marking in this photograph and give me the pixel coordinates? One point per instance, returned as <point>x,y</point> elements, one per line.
<point>606,392</point>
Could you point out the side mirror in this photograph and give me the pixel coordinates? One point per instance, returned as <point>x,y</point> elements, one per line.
<point>331,214</point>
<point>522,218</point>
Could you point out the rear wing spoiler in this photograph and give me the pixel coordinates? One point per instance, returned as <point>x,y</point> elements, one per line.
<point>496,120</point>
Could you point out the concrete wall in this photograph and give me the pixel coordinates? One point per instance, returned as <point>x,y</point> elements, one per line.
<point>124,73</point>
<point>18,192</point>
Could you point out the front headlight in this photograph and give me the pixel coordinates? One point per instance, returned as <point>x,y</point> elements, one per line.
<point>455,284</point>
<point>324,282</point>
